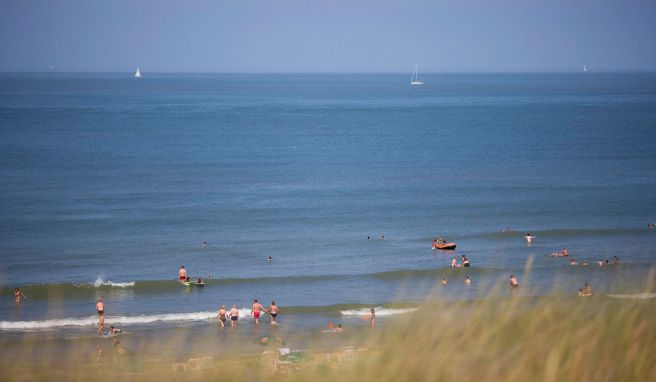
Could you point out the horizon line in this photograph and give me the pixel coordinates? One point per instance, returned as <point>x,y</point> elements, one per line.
<point>527,71</point>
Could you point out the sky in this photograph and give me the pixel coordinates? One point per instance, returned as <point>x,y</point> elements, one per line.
<point>327,35</point>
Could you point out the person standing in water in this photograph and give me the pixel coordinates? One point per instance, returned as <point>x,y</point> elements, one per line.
<point>222,316</point>
<point>372,318</point>
<point>467,281</point>
<point>182,273</point>
<point>256,310</point>
<point>18,294</point>
<point>513,282</point>
<point>100,308</point>
<point>529,238</point>
<point>273,312</point>
<point>234,316</point>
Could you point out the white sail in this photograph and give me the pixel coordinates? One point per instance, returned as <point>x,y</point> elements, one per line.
<point>137,74</point>
<point>414,80</point>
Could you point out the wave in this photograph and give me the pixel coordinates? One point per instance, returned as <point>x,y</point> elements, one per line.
<point>380,311</point>
<point>561,233</point>
<point>244,313</point>
<point>102,283</point>
<point>634,296</point>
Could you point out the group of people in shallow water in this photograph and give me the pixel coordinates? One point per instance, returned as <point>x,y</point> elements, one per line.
<point>256,311</point>
<point>600,263</point>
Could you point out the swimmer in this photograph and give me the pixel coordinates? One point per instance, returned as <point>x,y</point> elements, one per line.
<point>565,252</point>
<point>573,262</point>
<point>269,258</point>
<point>113,330</point>
<point>651,226</point>
<point>382,237</point>
<point>257,308</point>
<point>529,238</point>
<point>465,261</point>
<point>273,312</point>
<point>182,273</point>
<point>222,316</point>
<point>584,263</point>
<point>513,282</point>
<point>600,263</point>
<point>368,237</point>
<point>372,317</point>
<point>467,281</point>
<point>616,260</point>
<point>199,281</point>
<point>234,316</point>
<point>203,244</point>
<point>444,282</point>
<point>339,328</point>
<point>18,294</point>
<point>454,262</point>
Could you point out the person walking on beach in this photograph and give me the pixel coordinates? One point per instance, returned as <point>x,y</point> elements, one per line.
<point>234,316</point>
<point>182,273</point>
<point>273,312</point>
<point>18,294</point>
<point>222,316</point>
<point>256,310</point>
<point>513,282</point>
<point>372,318</point>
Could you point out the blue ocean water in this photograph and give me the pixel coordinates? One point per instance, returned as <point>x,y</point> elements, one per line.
<point>108,178</point>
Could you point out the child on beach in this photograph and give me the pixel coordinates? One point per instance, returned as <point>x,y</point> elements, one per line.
<point>372,317</point>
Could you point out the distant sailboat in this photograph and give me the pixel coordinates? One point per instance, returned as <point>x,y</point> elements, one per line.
<point>585,69</point>
<point>414,80</point>
<point>137,74</point>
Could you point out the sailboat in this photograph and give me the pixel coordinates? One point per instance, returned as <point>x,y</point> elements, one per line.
<point>585,69</point>
<point>414,80</point>
<point>137,74</point>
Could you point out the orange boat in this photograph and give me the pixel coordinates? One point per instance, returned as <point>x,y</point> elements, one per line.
<point>444,245</point>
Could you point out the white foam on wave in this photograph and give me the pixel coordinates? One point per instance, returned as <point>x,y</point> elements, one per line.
<point>379,311</point>
<point>634,296</point>
<point>100,282</point>
<point>244,313</point>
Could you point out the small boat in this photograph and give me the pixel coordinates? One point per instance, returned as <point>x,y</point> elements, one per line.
<point>137,74</point>
<point>414,80</point>
<point>444,245</point>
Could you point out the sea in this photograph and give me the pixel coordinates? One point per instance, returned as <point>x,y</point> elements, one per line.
<point>108,184</point>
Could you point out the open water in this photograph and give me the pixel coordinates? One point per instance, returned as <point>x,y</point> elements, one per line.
<point>109,183</point>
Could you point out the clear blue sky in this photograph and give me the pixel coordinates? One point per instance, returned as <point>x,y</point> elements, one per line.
<point>327,35</point>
